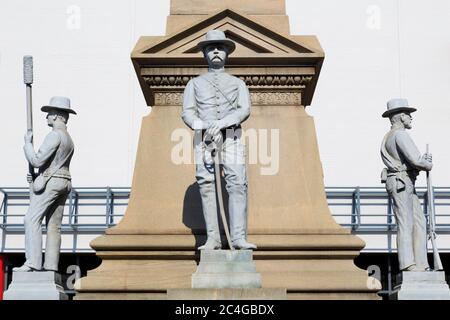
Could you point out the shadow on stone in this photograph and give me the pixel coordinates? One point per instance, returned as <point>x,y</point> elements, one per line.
<point>193,213</point>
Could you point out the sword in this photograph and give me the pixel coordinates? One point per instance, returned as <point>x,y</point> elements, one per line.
<point>28,80</point>
<point>432,222</point>
<point>213,149</point>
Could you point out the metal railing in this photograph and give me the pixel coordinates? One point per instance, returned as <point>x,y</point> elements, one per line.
<point>89,210</point>
<point>365,210</point>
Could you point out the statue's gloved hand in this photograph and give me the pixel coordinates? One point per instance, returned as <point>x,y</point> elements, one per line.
<point>213,129</point>
<point>427,158</point>
<point>28,138</point>
<point>30,178</point>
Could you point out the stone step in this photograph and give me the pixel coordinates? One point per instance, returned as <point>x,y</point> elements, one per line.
<point>226,267</point>
<point>226,280</point>
<point>226,256</point>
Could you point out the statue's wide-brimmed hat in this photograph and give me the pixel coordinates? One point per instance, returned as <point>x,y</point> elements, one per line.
<point>58,103</point>
<point>217,36</point>
<point>396,106</point>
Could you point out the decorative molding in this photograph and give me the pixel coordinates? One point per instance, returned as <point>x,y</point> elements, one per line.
<point>168,98</point>
<point>261,98</point>
<point>276,80</point>
<point>250,80</point>
<point>258,98</point>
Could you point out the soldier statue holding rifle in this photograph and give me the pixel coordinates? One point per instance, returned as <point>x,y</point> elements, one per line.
<point>49,189</point>
<point>403,163</point>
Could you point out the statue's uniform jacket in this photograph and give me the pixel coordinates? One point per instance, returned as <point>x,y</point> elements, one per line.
<point>218,96</point>
<point>403,161</point>
<point>49,203</point>
<point>204,100</point>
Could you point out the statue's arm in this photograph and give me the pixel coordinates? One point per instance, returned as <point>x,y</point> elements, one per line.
<point>189,114</point>
<point>47,149</point>
<point>410,151</point>
<point>242,111</point>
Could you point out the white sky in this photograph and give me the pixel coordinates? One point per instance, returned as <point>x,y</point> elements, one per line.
<point>375,50</point>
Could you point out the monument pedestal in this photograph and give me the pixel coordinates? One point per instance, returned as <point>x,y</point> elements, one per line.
<point>226,275</point>
<point>422,286</point>
<point>45,285</point>
<point>300,246</point>
<point>226,269</point>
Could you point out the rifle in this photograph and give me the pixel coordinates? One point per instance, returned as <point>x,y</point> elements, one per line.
<point>28,80</point>
<point>432,222</point>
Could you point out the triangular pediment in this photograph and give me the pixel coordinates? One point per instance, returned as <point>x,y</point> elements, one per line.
<point>252,40</point>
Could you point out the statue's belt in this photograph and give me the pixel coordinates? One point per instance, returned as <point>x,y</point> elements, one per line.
<point>229,130</point>
<point>402,176</point>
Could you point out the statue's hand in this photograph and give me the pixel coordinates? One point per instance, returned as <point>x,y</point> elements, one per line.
<point>28,138</point>
<point>29,178</point>
<point>428,158</point>
<point>213,129</point>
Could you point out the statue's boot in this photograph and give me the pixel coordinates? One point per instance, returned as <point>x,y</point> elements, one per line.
<point>24,268</point>
<point>243,244</point>
<point>208,194</point>
<point>211,244</point>
<point>416,268</point>
<point>237,204</point>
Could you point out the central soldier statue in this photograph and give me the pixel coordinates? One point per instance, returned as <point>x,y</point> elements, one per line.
<point>215,104</point>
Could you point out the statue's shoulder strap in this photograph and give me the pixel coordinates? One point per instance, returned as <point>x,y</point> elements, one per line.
<point>220,90</point>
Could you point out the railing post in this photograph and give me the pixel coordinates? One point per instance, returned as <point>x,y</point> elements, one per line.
<point>108,206</point>
<point>356,209</point>
<point>358,205</point>
<point>5,209</point>
<point>111,212</point>
<point>76,209</point>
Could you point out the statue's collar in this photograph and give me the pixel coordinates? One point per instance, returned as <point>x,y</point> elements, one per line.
<point>221,70</point>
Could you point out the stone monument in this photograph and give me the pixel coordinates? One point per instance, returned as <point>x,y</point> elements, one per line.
<point>48,194</point>
<point>403,163</point>
<point>300,246</point>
